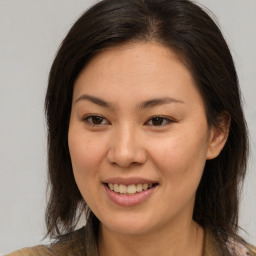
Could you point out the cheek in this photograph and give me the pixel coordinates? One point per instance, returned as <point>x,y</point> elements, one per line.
<point>180,164</point>
<point>181,156</point>
<point>86,154</point>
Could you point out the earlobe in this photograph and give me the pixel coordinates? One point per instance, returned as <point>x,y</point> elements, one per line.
<point>218,135</point>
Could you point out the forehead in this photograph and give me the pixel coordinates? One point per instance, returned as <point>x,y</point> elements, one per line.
<point>134,54</point>
<point>135,69</point>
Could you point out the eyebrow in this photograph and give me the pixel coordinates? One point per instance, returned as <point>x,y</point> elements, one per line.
<point>94,100</point>
<point>145,104</point>
<point>158,101</point>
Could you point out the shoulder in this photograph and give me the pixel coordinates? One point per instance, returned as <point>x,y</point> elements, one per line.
<point>240,247</point>
<point>252,248</point>
<point>220,243</point>
<point>31,251</point>
<point>39,250</point>
<point>70,244</point>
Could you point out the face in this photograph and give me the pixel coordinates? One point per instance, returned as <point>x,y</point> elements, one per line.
<point>138,138</point>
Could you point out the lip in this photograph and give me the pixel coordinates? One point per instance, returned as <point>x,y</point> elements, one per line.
<point>129,181</point>
<point>129,200</point>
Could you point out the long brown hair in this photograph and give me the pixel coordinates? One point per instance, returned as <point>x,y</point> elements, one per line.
<point>185,28</point>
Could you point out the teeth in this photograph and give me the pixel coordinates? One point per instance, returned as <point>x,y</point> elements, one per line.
<point>123,189</point>
<point>116,188</point>
<point>145,186</point>
<point>139,188</point>
<point>130,189</point>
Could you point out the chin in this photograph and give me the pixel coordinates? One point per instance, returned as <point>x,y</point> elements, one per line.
<point>128,225</point>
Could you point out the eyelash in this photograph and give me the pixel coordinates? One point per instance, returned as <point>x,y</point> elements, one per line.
<point>167,120</point>
<point>87,118</point>
<point>162,118</point>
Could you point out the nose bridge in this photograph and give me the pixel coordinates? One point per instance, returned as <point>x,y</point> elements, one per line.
<point>125,146</point>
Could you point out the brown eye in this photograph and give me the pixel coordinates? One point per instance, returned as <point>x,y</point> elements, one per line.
<point>158,121</point>
<point>96,120</point>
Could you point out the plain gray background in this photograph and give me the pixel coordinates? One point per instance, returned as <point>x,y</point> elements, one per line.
<point>30,33</point>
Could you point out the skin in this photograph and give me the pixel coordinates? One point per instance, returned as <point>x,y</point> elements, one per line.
<point>126,142</point>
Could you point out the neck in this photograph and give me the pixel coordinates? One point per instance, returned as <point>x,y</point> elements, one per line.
<point>180,240</point>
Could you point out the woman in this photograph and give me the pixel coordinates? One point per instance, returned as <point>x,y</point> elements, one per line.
<point>146,135</point>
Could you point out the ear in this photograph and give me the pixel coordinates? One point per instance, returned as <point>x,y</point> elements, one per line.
<point>218,135</point>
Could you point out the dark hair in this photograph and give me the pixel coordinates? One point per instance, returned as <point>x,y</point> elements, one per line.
<point>185,28</point>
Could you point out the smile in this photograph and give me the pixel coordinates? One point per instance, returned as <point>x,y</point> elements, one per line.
<point>129,195</point>
<point>129,189</point>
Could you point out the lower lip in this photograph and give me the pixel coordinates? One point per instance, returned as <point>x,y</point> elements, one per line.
<point>129,200</point>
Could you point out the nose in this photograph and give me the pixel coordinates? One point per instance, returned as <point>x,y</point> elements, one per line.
<point>126,147</point>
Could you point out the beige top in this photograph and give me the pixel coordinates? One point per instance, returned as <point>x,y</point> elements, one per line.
<point>82,242</point>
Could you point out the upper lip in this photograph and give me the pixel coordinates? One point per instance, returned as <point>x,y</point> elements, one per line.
<point>129,181</point>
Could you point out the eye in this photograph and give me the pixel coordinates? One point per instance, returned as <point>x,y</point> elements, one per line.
<point>95,120</point>
<point>159,121</point>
